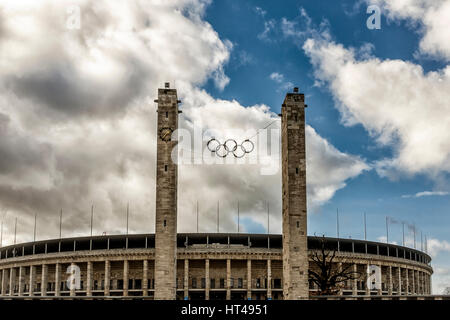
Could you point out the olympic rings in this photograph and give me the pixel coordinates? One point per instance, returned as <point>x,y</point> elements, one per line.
<point>230,145</point>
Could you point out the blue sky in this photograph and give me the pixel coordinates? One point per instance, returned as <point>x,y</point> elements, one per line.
<point>250,83</point>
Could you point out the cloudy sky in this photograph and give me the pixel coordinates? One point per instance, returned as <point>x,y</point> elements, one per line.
<point>77,117</point>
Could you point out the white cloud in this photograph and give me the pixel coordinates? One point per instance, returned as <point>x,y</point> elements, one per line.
<point>77,120</point>
<point>280,79</point>
<point>328,168</point>
<point>433,17</point>
<point>384,238</point>
<point>260,11</point>
<point>436,246</point>
<point>269,26</point>
<point>395,101</point>
<point>426,194</point>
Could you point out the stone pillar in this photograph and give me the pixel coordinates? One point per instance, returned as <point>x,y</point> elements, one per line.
<point>424,283</point>
<point>390,281</point>
<point>57,280</point>
<point>341,291</point>
<point>269,279</point>
<point>367,287</point>
<point>380,290</point>
<point>21,280</point>
<point>355,281</point>
<point>32,278</point>
<point>107,278</point>
<point>145,278</point>
<point>166,196</point>
<point>186,278</point>
<point>417,281</point>
<point>399,281</point>
<point>413,278</point>
<point>295,251</point>
<point>73,284</point>
<point>228,279</point>
<point>249,279</point>
<point>4,281</point>
<point>44,280</point>
<point>407,280</point>
<point>12,281</point>
<point>125,277</point>
<point>207,280</point>
<point>89,279</point>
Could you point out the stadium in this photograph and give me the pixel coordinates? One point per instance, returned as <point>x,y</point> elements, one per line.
<point>215,266</point>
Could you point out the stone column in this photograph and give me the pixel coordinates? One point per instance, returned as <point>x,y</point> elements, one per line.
<point>32,276</point>
<point>390,281</point>
<point>57,280</point>
<point>413,278</point>
<point>207,280</point>
<point>107,278</point>
<point>407,280</point>
<point>4,281</point>
<point>186,279</point>
<point>21,280</point>
<point>249,279</point>
<point>228,279</point>
<point>269,279</point>
<point>44,280</point>
<point>399,290</point>
<point>355,281</point>
<point>367,287</point>
<point>145,278</point>
<point>417,281</point>
<point>12,281</point>
<point>341,289</point>
<point>89,279</point>
<point>73,284</point>
<point>380,291</point>
<point>125,278</point>
<point>294,223</point>
<point>166,196</point>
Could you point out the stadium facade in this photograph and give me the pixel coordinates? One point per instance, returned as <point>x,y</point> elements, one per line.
<point>167,265</point>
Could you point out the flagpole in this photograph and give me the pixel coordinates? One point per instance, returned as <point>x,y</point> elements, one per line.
<point>1,235</point>
<point>403,233</point>
<point>34,233</point>
<point>128,212</point>
<point>60,223</point>
<point>387,230</point>
<point>421,241</point>
<point>268,219</point>
<point>365,227</point>
<point>337,228</point>
<point>15,231</point>
<point>92,217</point>
<point>197,215</point>
<point>337,222</point>
<point>238,214</point>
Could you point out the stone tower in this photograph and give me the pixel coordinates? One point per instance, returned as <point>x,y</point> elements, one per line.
<point>166,196</point>
<point>295,251</point>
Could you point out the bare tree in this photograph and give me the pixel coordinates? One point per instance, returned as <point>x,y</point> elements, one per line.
<point>329,278</point>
